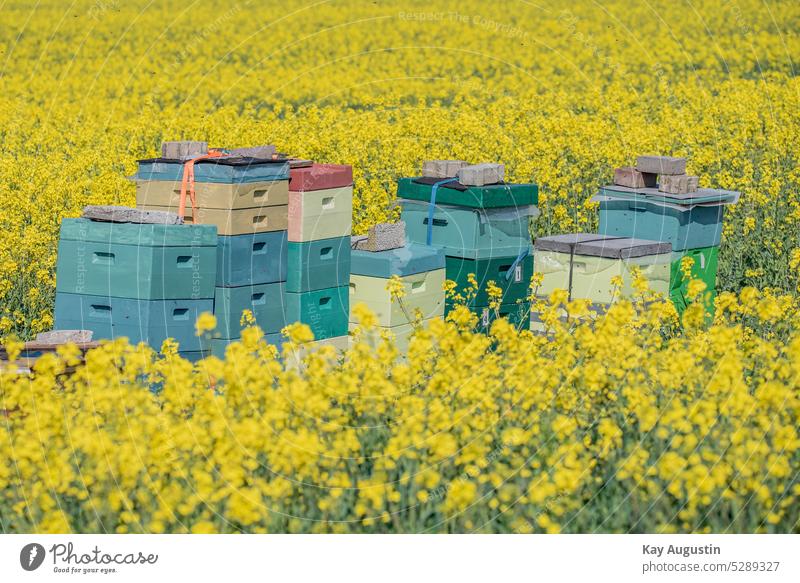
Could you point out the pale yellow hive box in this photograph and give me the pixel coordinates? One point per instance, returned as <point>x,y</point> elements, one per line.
<point>320,214</point>
<point>213,195</point>
<point>244,221</point>
<point>420,291</point>
<point>401,335</point>
<point>585,265</point>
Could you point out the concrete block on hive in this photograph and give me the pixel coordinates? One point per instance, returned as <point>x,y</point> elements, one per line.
<point>442,168</point>
<point>183,150</point>
<point>632,178</point>
<point>122,214</point>
<point>481,174</point>
<point>661,165</point>
<point>680,184</point>
<point>383,237</point>
<point>64,336</point>
<point>262,152</point>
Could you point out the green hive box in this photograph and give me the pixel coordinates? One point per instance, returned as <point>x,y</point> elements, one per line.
<point>482,197</point>
<point>266,301</point>
<point>421,292</point>
<point>470,233</point>
<point>515,287</point>
<point>325,311</point>
<point>705,265</point>
<point>126,260</point>
<point>593,261</point>
<point>681,302</point>
<point>321,264</point>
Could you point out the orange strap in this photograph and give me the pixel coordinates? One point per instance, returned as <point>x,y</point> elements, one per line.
<point>187,185</point>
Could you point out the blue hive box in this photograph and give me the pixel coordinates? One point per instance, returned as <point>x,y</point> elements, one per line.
<point>266,301</point>
<point>137,261</point>
<point>251,259</point>
<point>149,321</point>
<point>220,170</point>
<point>320,264</point>
<point>684,226</point>
<point>408,260</point>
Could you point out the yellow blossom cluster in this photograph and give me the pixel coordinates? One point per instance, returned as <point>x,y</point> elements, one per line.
<point>560,91</point>
<point>618,424</point>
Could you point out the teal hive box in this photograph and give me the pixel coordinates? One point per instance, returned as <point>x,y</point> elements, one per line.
<point>408,260</point>
<point>219,345</point>
<point>514,288</point>
<point>265,301</point>
<point>149,321</point>
<point>517,314</point>
<point>482,197</point>
<point>325,311</point>
<point>470,233</point>
<point>251,259</point>
<point>125,260</point>
<point>319,264</point>
<point>684,226</point>
<point>219,170</point>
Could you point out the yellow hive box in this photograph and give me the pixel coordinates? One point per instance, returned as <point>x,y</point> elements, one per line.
<point>320,214</point>
<point>244,221</point>
<point>212,195</point>
<point>421,291</point>
<point>586,267</point>
<point>294,359</point>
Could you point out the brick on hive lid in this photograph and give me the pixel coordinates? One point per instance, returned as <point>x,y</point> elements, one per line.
<point>382,237</point>
<point>123,214</point>
<point>64,336</point>
<point>630,177</point>
<point>481,174</point>
<point>261,152</point>
<point>661,165</point>
<point>678,184</point>
<point>183,150</point>
<point>442,168</point>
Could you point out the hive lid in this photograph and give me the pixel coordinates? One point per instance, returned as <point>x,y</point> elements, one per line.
<point>407,260</point>
<point>700,196</point>
<point>223,161</point>
<point>567,242</point>
<point>503,194</point>
<point>622,248</point>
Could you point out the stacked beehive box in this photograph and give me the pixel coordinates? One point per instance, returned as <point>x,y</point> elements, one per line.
<point>656,200</point>
<point>141,275</point>
<point>244,193</point>
<point>320,225</point>
<point>483,226</point>
<point>420,269</point>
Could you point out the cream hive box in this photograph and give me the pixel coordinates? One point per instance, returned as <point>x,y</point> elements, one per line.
<point>585,265</point>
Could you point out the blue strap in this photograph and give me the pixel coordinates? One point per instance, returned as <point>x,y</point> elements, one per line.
<point>522,255</point>
<point>432,205</point>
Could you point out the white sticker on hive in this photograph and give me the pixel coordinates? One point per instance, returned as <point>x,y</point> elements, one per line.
<point>518,274</point>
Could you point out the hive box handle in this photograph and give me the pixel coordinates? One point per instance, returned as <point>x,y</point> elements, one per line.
<point>260,247</point>
<point>417,286</point>
<point>325,303</point>
<point>259,193</point>
<point>258,298</point>
<point>326,253</point>
<point>436,222</point>
<point>100,311</point>
<point>257,220</point>
<point>101,258</point>
<point>328,203</point>
<point>184,261</point>
<point>180,314</point>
